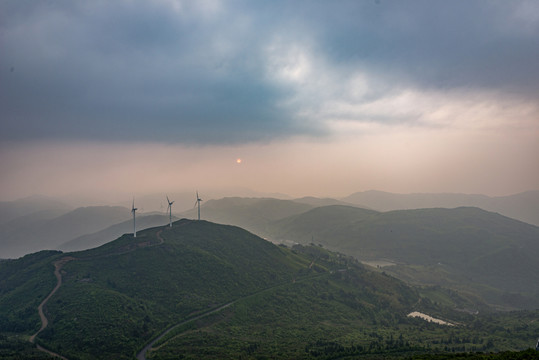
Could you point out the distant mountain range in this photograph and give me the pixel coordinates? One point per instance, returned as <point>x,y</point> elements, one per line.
<point>47,229</point>
<point>10,210</point>
<point>523,206</point>
<point>36,223</point>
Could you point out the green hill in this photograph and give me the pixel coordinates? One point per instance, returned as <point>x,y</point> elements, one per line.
<point>465,248</point>
<point>115,296</point>
<point>227,293</point>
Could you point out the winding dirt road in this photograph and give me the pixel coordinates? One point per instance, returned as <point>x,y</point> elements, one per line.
<point>44,321</point>
<point>57,267</point>
<point>142,354</point>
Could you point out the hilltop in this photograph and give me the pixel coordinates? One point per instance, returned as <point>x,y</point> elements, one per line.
<point>101,237</point>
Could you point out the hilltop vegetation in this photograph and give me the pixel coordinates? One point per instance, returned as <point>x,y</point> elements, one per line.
<point>305,302</point>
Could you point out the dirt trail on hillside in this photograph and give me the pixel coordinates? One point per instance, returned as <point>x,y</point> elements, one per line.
<point>44,321</point>
<point>57,267</point>
<point>41,348</point>
<point>141,355</point>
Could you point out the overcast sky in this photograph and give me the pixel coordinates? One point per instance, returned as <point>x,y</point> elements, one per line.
<point>316,97</point>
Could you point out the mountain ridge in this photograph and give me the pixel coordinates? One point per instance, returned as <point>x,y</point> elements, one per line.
<point>521,206</point>
<point>32,234</point>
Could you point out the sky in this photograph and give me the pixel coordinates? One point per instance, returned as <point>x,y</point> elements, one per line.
<point>108,99</point>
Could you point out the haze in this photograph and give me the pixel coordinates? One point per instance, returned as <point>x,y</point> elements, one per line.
<point>316,98</point>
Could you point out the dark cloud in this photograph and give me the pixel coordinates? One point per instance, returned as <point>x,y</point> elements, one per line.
<point>435,43</point>
<point>139,70</point>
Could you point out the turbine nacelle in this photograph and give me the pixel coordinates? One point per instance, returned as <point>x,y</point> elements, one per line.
<point>197,203</point>
<point>133,210</point>
<point>169,209</point>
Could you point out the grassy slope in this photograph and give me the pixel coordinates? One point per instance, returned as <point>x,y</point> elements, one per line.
<point>352,312</point>
<point>289,303</point>
<point>24,283</point>
<point>132,295</point>
<point>452,247</point>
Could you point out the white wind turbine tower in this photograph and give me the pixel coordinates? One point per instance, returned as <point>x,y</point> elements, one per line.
<point>197,202</point>
<point>133,210</point>
<point>170,210</point>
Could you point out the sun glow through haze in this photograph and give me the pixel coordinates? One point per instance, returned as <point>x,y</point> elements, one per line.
<point>320,98</point>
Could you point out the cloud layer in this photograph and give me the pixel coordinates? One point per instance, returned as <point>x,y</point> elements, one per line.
<point>207,72</point>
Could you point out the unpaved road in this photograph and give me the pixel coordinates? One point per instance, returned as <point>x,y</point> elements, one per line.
<point>41,348</point>
<point>44,321</point>
<point>142,354</point>
<point>57,267</point>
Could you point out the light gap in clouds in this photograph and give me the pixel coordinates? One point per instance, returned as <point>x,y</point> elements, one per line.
<point>319,95</point>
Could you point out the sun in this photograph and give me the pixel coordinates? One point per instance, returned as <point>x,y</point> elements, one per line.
<point>238,161</point>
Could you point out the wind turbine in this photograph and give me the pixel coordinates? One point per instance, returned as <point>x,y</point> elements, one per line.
<point>133,210</point>
<point>169,208</point>
<point>197,202</point>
